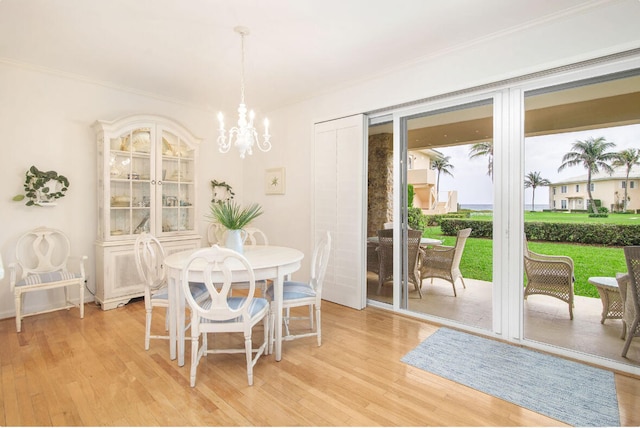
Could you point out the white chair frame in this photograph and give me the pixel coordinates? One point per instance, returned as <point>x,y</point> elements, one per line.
<point>42,255</point>
<point>216,314</point>
<point>319,263</point>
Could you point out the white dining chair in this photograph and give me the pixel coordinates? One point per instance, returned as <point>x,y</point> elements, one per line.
<point>222,313</point>
<point>296,294</point>
<point>149,256</point>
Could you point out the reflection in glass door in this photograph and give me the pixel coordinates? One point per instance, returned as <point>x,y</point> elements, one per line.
<point>591,119</point>
<point>450,176</point>
<point>449,173</point>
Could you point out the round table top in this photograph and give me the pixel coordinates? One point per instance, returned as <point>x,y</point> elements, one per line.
<point>259,257</point>
<point>603,281</point>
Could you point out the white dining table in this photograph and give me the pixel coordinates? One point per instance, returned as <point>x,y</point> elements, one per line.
<point>268,263</point>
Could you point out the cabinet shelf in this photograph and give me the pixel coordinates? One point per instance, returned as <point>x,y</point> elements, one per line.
<point>135,154</point>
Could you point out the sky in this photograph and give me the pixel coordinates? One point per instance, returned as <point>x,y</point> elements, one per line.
<point>543,154</point>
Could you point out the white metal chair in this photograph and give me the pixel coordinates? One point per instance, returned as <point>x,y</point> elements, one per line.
<point>41,257</point>
<point>221,313</point>
<point>149,255</point>
<point>309,294</point>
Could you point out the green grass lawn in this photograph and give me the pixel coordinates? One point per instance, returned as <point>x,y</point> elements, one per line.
<point>566,217</point>
<point>589,260</point>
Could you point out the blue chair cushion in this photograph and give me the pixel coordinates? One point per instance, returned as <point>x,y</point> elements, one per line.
<point>197,289</point>
<point>257,305</point>
<point>47,277</point>
<point>294,290</point>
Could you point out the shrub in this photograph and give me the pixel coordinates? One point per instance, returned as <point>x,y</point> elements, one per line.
<point>615,235</point>
<point>416,219</point>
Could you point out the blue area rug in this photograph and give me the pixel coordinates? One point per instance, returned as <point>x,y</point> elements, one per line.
<point>570,392</point>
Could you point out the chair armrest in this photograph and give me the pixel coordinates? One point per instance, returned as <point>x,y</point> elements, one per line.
<point>548,258</point>
<point>79,260</point>
<point>13,273</point>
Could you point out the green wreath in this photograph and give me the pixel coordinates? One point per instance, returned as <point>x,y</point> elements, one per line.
<point>38,188</point>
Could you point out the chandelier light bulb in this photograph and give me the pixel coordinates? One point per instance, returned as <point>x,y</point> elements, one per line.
<point>244,136</point>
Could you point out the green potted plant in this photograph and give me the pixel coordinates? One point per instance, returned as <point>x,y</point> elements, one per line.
<point>42,187</point>
<point>234,218</point>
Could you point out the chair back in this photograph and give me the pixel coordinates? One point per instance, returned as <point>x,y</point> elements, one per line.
<point>461,239</point>
<point>215,233</point>
<point>149,255</point>
<point>413,246</point>
<point>255,237</point>
<point>385,253</point>
<point>217,266</point>
<point>632,257</point>
<point>42,250</point>
<point>320,261</point>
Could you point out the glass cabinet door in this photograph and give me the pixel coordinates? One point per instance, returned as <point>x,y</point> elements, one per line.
<point>177,184</point>
<point>130,178</point>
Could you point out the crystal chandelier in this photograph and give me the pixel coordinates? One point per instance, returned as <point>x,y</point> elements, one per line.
<point>243,136</point>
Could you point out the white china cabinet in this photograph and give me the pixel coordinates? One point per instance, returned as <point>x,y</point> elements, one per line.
<point>146,183</point>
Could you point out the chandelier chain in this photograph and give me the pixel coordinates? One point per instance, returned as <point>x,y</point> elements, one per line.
<point>242,69</point>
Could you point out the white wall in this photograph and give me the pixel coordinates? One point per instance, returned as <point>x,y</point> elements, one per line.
<point>610,28</point>
<point>46,120</point>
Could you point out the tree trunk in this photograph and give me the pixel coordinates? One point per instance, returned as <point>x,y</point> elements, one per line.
<point>626,186</point>
<point>533,198</point>
<point>594,209</point>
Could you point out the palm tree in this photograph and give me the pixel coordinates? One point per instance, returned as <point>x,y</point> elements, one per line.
<point>442,165</point>
<point>592,154</point>
<point>533,180</point>
<point>627,158</point>
<point>483,149</point>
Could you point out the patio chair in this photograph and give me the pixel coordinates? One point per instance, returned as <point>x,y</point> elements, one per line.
<point>373,263</point>
<point>549,276</point>
<point>444,261</point>
<point>385,258</point>
<point>631,297</point>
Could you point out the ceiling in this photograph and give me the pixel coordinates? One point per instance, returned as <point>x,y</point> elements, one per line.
<point>186,50</point>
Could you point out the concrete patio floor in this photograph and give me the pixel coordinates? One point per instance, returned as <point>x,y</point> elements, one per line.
<point>546,318</point>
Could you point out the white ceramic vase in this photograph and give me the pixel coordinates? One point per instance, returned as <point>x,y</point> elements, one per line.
<point>235,239</point>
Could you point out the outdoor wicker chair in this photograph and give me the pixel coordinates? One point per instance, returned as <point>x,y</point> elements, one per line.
<point>629,292</point>
<point>549,276</point>
<point>444,261</point>
<point>385,257</point>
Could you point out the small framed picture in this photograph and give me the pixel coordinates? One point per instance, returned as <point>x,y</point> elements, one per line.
<point>274,181</point>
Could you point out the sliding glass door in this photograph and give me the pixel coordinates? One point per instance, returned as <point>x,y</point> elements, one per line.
<point>509,163</point>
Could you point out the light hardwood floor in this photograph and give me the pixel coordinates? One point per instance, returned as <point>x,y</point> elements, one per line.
<point>65,371</point>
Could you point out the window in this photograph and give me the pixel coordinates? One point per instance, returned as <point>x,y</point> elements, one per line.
<point>577,188</point>
<point>563,204</point>
<point>632,185</point>
<point>554,190</point>
<point>624,184</point>
<point>563,189</point>
<point>593,187</point>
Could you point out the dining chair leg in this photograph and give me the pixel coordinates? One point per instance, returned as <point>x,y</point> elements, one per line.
<point>147,329</point>
<point>247,349</point>
<point>318,325</point>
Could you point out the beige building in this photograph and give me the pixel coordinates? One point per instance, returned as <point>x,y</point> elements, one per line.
<point>423,177</point>
<point>571,194</point>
